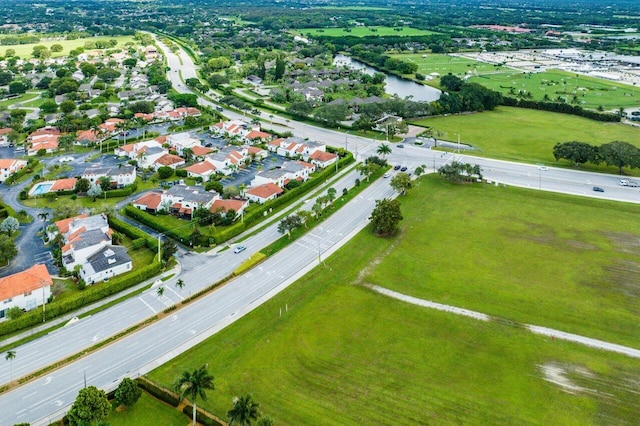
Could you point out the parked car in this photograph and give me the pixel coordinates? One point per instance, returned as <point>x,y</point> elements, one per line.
<point>400,145</point>
<point>403,168</point>
<point>598,189</point>
<point>239,249</point>
<point>397,167</point>
<point>386,175</point>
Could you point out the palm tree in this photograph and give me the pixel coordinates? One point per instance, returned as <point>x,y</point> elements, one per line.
<point>194,384</point>
<point>180,284</point>
<point>160,291</point>
<point>383,149</point>
<point>43,217</point>
<point>9,356</point>
<point>244,411</point>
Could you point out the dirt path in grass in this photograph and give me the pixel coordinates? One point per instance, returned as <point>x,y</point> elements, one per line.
<point>553,334</point>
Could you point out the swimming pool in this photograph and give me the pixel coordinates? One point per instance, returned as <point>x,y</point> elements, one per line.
<point>41,188</point>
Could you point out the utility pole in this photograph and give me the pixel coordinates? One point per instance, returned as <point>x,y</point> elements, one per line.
<point>159,247</point>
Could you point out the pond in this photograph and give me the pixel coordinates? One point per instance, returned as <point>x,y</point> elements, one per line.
<point>394,84</point>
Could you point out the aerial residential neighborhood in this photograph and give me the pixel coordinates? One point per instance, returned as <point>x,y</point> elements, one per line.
<point>353,213</point>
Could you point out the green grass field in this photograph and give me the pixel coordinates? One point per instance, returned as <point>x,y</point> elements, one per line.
<point>528,135</point>
<point>26,97</point>
<point>345,355</point>
<point>589,92</point>
<point>445,64</point>
<point>148,411</point>
<point>24,50</point>
<point>364,32</point>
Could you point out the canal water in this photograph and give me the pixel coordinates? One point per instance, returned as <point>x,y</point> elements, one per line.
<point>394,84</point>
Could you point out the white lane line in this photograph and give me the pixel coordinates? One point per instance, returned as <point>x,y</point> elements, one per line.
<point>148,306</point>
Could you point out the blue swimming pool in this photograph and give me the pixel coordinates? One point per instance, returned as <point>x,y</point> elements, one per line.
<point>41,188</point>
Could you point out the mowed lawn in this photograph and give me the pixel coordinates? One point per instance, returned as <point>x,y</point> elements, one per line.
<point>344,355</point>
<point>365,32</point>
<point>24,50</point>
<point>590,92</point>
<point>445,64</point>
<point>148,411</point>
<point>527,135</point>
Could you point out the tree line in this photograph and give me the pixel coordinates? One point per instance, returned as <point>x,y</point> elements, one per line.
<point>617,153</point>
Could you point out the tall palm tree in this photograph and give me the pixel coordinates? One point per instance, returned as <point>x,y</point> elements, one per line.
<point>383,149</point>
<point>194,384</point>
<point>180,284</point>
<point>43,217</point>
<point>244,411</point>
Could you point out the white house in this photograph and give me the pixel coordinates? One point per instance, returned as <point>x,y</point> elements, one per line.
<point>9,166</point>
<point>26,290</point>
<point>180,141</point>
<point>204,169</point>
<point>295,147</point>
<point>119,177</point>
<point>228,160</point>
<point>183,200</point>
<point>107,262</point>
<point>323,159</point>
<point>232,128</point>
<point>134,150</point>
<point>263,193</point>
<point>87,243</point>
<point>291,170</point>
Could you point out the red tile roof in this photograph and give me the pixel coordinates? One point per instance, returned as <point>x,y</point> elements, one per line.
<point>322,156</point>
<point>63,225</point>
<point>169,159</point>
<point>265,191</point>
<point>226,205</point>
<point>23,282</point>
<point>151,200</point>
<point>200,168</point>
<point>255,134</point>
<point>201,150</point>
<point>64,184</point>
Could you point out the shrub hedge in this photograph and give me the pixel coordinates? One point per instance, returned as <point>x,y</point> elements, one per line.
<point>158,392</point>
<point>134,233</point>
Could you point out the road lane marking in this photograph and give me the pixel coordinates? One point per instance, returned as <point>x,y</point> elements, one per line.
<point>148,306</point>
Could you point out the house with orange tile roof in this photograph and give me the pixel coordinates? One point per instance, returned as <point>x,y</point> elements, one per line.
<point>9,166</point>
<point>183,199</point>
<point>295,147</point>
<point>231,128</point>
<point>149,202</point>
<point>201,151</point>
<point>66,184</point>
<point>49,144</point>
<point>90,136</point>
<point>111,125</point>
<point>205,169</point>
<point>256,153</point>
<point>229,159</point>
<point>323,159</point>
<point>263,193</point>
<point>132,150</point>
<point>26,290</point>
<point>88,244</point>
<point>168,160</point>
<point>44,132</point>
<point>257,136</point>
<point>223,206</point>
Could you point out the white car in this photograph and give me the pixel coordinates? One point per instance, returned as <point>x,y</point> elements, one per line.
<point>386,175</point>
<point>239,249</point>
<point>66,159</point>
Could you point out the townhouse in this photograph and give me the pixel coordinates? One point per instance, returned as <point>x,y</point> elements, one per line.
<point>25,290</point>
<point>9,166</point>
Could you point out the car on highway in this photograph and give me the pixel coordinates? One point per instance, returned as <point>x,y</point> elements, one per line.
<point>239,249</point>
<point>397,167</point>
<point>543,168</point>
<point>400,145</point>
<point>598,189</point>
<point>403,168</point>
<point>386,175</point>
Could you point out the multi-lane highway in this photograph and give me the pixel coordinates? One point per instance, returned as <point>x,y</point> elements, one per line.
<point>50,396</point>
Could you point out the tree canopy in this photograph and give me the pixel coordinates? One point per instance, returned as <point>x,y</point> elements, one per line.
<point>386,216</point>
<point>90,407</point>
